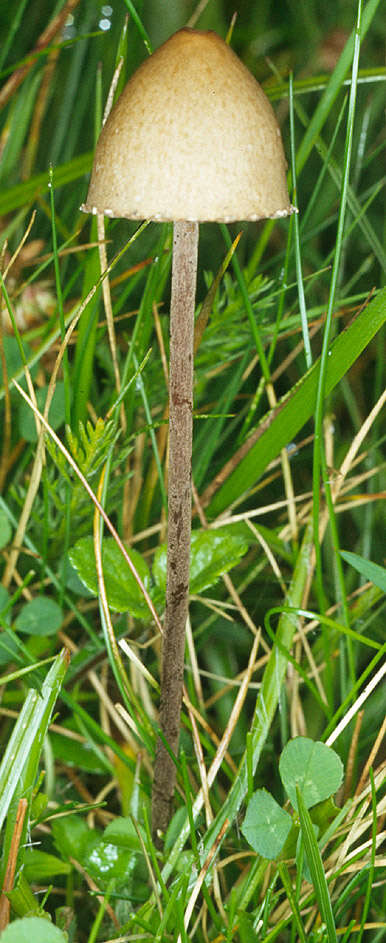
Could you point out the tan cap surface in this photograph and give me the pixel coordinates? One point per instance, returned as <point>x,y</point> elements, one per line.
<point>192,137</point>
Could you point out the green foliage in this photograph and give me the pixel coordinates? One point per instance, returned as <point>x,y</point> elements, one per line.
<point>92,445</point>
<point>8,644</point>
<point>279,428</point>
<point>5,536</point>
<point>39,866</point>
<point>19,766</point>
<point>371,571</point>
<point>113,855</point>
<point>23,901</point>
<point>123,592</point>
<point>41,616</point>
<point>307,767</point>
<point>312,767</point>
<point>20,761</point>
<point>212,553</point>
<point>90,448</point>
<point>72,753</point>
<point>27,424</point>
<point>73,837</point>
<point>316,869</point>
<point>13,359</point>
<point>32,930</point>
<point>266,826</point>
<point>253,398</point>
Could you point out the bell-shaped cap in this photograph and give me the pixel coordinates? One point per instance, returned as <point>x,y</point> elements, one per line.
<point>192,137</point>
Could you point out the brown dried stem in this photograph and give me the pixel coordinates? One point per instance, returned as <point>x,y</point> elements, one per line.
<point>185,246</point>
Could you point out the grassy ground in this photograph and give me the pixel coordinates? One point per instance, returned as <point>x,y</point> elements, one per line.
<point>286,633</point>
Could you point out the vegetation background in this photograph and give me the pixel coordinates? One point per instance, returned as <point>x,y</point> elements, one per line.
<point>284,646</point>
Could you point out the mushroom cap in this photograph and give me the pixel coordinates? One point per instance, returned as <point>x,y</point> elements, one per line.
<point>192,137</point>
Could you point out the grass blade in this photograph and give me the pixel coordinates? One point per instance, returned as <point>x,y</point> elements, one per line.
<point>316,869</point>
<point>281,424</point>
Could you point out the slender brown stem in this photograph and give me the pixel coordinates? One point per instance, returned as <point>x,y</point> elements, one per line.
<point>185,245</point>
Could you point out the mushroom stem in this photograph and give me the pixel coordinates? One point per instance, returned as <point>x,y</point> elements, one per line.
<point>184,273</point>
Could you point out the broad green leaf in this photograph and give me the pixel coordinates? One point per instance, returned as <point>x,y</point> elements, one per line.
<point>41,616</point>
<point>371,571</point>
<point>111,855</point>
<point>280,426</point>
<point>107,861</point>
<point>40,866</point>
<point>13,358</point>
<point>266,825</point>
<point>122,833</point>
<point>123,592</point>
<point>115,854</point>
<point>73,838</point>
<point>312,767</point>
<point>32,930</point>
<point>5,533</point>
<point>72,580</point>
<point>213,552</point>
<point>56,415</point>
<point>74,753</point>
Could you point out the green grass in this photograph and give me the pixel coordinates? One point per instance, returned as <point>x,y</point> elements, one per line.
<point>288,454</point>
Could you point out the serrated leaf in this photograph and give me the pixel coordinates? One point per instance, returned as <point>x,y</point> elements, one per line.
<point>123,592</point>
<point>213,552</point>
<point>312,766</point>
<point>266,825</point>
<point>371,571</point>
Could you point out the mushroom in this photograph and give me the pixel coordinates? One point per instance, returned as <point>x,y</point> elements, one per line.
<point>192,138</point>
